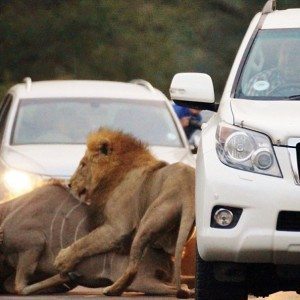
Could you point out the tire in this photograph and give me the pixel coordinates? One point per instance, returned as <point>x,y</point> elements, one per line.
<point>208,288</point>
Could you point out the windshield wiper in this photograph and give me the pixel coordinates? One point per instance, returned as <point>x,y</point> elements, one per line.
<point>295,97</point>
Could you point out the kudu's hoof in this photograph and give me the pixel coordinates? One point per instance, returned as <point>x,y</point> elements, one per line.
<point>74,276</point>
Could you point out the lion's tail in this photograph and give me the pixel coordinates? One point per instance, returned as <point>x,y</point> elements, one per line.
<point>186,223</point>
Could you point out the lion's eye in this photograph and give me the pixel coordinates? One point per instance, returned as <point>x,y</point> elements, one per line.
<point>104,149</point>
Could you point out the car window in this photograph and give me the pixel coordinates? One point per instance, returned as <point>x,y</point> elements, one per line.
<point>4,109</point>
<point>68,121</point>
<point>272,68</point>
<point>3,102</point>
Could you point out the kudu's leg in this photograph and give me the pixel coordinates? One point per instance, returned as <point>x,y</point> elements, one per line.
<point>1,235</point>
<point>155,287</point>
<point>159,216</point>
<point>9,284</point>
<point>53,281</point>
<point>27,263</point>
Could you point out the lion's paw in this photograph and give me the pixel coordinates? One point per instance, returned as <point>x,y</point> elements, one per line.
<point>65,260</point>
<point>185,292</point>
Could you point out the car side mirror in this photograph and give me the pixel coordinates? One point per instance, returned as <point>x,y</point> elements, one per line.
<point>194,90</point>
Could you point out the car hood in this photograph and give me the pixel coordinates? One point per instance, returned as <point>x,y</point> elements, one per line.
<point>174,154</point>
<point>47,160</point>
<point>278,119</point>
<point>62,160</point>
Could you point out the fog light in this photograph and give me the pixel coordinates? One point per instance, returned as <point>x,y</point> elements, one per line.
<point>223,217</point>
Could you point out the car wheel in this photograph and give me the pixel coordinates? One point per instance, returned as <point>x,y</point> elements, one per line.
<point>208,288</point>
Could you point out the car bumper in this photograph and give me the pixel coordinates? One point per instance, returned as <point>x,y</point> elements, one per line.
<point>254,238</point>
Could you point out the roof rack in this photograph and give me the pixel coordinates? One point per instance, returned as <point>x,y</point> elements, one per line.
<point>269,7</point>
<point>143,83</point>
<point>28,82</point>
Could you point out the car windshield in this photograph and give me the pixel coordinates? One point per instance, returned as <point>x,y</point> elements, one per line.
<point>272,69</point>
<point>68,121</point>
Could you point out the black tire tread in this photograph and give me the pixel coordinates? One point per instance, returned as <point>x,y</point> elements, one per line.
<point>208,288</point>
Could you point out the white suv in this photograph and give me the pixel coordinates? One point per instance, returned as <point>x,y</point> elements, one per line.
<point>248,164</point>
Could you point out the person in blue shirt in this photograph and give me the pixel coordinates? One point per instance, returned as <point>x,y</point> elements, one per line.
<point>190,119</point>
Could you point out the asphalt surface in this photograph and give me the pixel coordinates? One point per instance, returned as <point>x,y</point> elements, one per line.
<point>85,293</point>
<point>280,296</point>
<point>82,293</point>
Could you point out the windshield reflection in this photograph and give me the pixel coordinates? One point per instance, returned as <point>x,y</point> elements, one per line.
<point>68,121</point>
<point>272,70</point>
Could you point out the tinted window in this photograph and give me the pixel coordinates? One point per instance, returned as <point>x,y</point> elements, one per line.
<point>4,109</point>
<point>68,121</point>
<point>272,70</point>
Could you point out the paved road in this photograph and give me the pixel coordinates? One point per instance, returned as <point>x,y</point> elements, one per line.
<point>90,294</point>
<point>281,296</point>
<point>81,293</point>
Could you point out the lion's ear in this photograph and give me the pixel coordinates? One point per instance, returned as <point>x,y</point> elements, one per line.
<point>105,148</point>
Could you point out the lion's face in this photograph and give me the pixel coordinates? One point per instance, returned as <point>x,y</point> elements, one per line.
<point>80,180</point>
<point>108,152</point>
<point>91,169</point>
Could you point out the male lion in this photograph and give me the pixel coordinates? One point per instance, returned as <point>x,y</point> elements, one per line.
<point>130,191</point>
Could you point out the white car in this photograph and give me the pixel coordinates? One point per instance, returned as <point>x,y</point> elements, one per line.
<point>44,127</point>
<point>248,164</point>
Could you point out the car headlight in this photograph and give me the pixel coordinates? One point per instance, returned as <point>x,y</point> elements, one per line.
<point>246,150</point>
<point>18,182</point>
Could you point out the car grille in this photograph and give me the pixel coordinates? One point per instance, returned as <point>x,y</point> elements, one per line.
<point>288,221</point>
<point>294,153</point>
<point>298,157</point>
